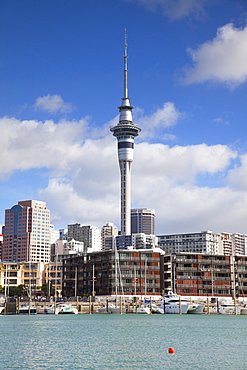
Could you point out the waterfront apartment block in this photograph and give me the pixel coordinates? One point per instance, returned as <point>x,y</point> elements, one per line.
<point>52,277</point>
<point>191,274</point>
<point>31,275</point>
<point>28,274</point>
<point>239,276</point>
<point>143,221</point>
<point>107,273</point>
<point>26,234</point>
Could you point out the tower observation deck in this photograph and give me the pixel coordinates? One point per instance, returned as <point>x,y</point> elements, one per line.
<point>125,132</point>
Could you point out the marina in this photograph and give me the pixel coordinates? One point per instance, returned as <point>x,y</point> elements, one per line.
<point>123,342</point>
<point>170,303</point>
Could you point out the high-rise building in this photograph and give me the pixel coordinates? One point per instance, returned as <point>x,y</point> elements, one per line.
<point>143,221</point>
<point>89,235</point>
<point>233,244</point>
<point>54,234</point>
<point>1,243</point>
<point>109,229</point>
<point>27,232</point>
<point>125,132</point>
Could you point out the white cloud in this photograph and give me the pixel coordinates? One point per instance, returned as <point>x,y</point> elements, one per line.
<point>220,120</point>
<point>237,177</point>
<point>67,204</point>
<point>193,209</point>
<point>52,104</point>
<point>221,60</point>
<point>33,144</point>
<point>181,163</point>
<point>155,124</point>
<point>176,9</point>
<point>84,182</point>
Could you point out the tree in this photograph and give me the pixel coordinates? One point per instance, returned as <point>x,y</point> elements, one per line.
<point>16,290</point>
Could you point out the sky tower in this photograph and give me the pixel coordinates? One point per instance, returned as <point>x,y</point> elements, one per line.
<point>125,132</point>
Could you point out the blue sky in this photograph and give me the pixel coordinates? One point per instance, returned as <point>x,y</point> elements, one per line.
<point>61,73</point>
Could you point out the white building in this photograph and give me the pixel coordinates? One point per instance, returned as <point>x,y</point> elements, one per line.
<point>89,235</point>
<point>233,244</point>
<point>73,246</point>
<point>202,242</point>
<point>54,234</point>
<point>134,241</point>
<point>108,229</point>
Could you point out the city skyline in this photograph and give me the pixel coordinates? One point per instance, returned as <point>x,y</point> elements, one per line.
<point>61,73</point>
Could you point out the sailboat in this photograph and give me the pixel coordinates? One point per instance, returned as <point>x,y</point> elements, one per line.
<point>119,308</point>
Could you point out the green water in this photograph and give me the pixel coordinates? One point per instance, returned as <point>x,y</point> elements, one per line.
<point>123,342</point>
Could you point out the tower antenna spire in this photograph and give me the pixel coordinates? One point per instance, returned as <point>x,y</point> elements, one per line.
<point>125,65</point>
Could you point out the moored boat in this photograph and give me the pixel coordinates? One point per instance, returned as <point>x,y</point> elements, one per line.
<point>142,309</point>
<point>243,310</point>
<point>25,309</point>
<point>65,308</point>
<point>195,308</point>
<point>49,309</point>
<point>156,309</point>
<point>116,309</point>
<point>173,304</point>
<point>229,308</point>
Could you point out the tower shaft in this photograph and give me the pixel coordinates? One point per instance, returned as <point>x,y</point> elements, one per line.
<point>125,132</point>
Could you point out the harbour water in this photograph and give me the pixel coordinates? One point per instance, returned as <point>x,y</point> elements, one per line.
<point>123,342</point>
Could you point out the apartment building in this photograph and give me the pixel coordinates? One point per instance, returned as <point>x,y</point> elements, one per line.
<point>107,273</point>
<point>191,274</point>
<point>52,277</point>
<point>202,242</point>
<point>30,274</point>
<point>233,244</point>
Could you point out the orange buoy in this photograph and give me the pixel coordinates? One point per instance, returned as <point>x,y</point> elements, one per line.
<point>171,350</point>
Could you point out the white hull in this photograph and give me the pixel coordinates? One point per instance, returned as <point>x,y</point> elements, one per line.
<point>24,310</point>
<point>157,309</point>
<point>228,308</point>
<point>111,309</point>
<point>195,308</point>
<point>49,310</point>
<point>66,309</point>
<point>117,310</point>
<point>243,311</point>
<point>173,304</point>
<point>176,308</point>
<point>142,310</point>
